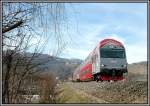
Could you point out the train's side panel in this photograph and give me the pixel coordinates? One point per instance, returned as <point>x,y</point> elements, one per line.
<point>86,73</point>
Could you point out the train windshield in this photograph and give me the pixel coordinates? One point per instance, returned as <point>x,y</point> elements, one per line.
<point>112,53</point>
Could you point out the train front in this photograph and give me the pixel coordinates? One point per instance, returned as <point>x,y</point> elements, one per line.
<point>113,62</point>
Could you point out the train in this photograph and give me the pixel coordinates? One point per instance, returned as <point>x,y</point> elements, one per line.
<point>107,62</point>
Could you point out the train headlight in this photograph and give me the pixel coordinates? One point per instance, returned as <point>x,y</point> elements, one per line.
<point>124,65</point>
<point>125,74</point>
<point>102,65</point>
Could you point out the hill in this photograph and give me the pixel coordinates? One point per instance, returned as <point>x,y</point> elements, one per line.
<point>138,71</point>
<point>60,67</point>
<point>138,68</point>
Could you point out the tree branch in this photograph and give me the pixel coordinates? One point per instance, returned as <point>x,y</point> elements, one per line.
<point>15,25</point>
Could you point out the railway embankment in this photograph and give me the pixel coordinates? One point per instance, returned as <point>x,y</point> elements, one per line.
<point>128,91</point>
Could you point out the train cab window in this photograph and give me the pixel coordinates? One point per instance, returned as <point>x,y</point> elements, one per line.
<point>112,53</point>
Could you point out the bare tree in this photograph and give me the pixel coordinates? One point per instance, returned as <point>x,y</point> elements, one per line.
<point>48,92</point>
<point>28,27</point>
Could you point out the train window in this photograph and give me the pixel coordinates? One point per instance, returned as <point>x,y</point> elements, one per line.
<point>96,55</point>
<point>93,59</point>
<point>112,53</point>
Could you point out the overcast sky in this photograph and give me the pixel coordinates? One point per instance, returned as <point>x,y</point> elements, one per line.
<point>92,22</point>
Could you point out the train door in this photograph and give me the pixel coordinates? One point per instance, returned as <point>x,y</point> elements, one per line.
<point>95,63</point>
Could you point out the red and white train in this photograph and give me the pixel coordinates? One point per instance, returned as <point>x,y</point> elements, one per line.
<point>106,62</point>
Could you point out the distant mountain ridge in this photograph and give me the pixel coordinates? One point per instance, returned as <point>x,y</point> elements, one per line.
<point>63,68</point>
<point>60,67</point>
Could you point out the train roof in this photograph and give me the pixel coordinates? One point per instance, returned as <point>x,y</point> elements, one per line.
<point>104,42</point>
<point>113,41</point>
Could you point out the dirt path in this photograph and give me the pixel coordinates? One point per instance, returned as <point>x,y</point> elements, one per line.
<point>72,95</point>
<point>87,95</point>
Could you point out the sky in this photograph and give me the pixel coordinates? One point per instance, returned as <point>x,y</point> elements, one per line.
<point>89,23</point>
